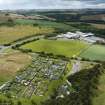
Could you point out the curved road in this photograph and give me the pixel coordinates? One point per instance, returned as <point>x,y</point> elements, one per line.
<point>2,48</point>
<point>76,67</point>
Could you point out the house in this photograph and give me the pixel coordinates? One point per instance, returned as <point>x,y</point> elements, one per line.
<point>68,35</point>
<point>88,37</point>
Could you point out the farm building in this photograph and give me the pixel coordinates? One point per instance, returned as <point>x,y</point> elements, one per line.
<point>77,35</point>
<point>88,37</point>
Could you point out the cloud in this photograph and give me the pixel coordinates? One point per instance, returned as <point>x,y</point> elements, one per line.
<point>51,4</point>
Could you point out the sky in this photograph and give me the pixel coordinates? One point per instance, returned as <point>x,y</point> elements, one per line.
<point>51,4</point>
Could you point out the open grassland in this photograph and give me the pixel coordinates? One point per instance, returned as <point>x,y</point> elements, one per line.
<point>9,34</point>
<point>11,63</point>
<point>67,48</point>
<point>100,98</point>
<point>95,52</point>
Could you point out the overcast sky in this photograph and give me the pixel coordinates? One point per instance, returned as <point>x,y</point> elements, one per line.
<point>51,4</point>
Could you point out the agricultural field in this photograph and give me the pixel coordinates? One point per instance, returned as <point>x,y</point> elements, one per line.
<point>68,48</point>
<point>93,17</point>
<point>11,63</point>
<point>98,26</point>
<point>10,34</point>
<point>95,52</point>
<point>45,23</point>
<point>36,69</point>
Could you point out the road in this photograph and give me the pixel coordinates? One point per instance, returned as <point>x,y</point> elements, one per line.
<point>76,67</point>
<point>3,48</point>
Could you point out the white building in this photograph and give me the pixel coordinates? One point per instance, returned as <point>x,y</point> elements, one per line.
<point>89,37</point>
<point>81,34</point>
<point>68,35</point>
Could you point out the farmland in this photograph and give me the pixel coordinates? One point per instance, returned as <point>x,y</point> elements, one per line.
<point>35,69</point>
<point>10,34</point>
<point>24,27</point>
<point>57,47</point>
<point>95,52</point>
<point>45,23</point>
<point>11,63</point>
<point>93,17</point>
<point>99,26</point>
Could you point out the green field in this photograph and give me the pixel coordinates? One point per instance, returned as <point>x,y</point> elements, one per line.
<point>95,52</point>
<point>67,48</point>
<point>45,23</point>
<point>10,34</point>
<point>100,98</point>
<point>25,27</point>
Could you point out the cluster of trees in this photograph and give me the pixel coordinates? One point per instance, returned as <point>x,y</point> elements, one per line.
<point>9,22</point>
<point>85,84</point>
<point>24,42</point>
<point>100,42</point>
<point>85,27</point>
<point>21,39</point>
<point>65,17</point>
<point>75,16</point>
<point>51,55</point>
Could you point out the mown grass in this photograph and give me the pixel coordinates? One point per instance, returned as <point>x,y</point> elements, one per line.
<point>9,34</point>
<point>68,48</point>
<point>95,52</point>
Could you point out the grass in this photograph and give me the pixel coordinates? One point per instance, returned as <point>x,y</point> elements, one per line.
<point>9,34</point>
<point>11,63</point>
<point>67,48</point>
<point>98,26</point>
<point>100,98</point>
<point>95,52</point>
<point>45,23</point>
<point>24,21</point>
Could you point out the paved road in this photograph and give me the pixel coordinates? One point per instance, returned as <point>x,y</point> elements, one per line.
<point>76,67</point>
<point>3,48</point>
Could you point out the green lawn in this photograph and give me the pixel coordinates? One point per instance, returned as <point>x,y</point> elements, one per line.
<point>95,52</point>
<point>67,48</point>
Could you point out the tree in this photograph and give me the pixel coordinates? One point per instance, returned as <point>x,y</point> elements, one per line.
<point>19,103</point>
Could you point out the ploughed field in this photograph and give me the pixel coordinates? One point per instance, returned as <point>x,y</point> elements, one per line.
<point>69,48</point>
<point>95,52</point>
